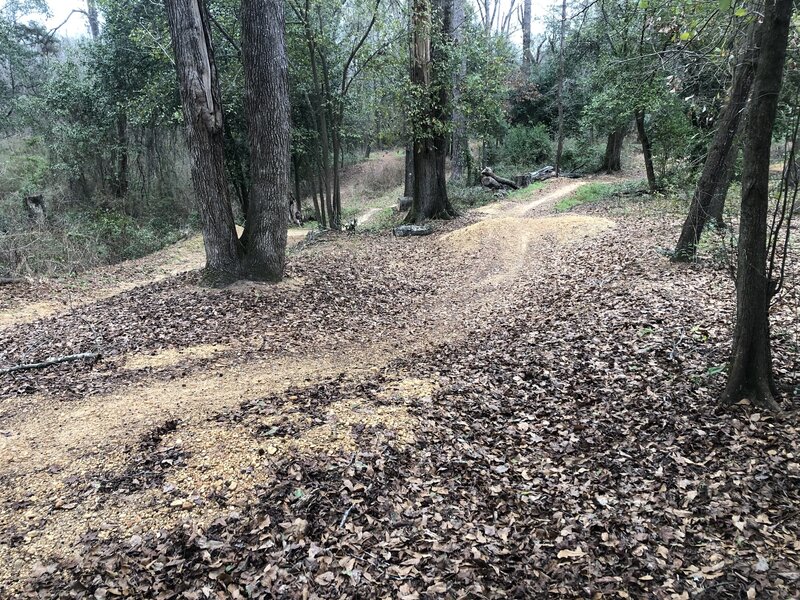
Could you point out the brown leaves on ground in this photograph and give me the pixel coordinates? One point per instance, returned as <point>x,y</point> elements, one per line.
<point>569,444</point>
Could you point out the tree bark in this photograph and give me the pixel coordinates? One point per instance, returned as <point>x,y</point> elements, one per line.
<point>408,186</point>
<point>750,371</point>
<point>430,143</point>
<point>612,162</point>
<point>202,109</point>
<point>266,104</point>
<point>718,160</point>
<point>646,150</point>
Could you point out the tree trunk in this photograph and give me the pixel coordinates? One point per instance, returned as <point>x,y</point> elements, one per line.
<point>94,23</point>
<point>646,150</point>
<point>527,57</point>
<point>750,370</point>
<point>612,162</point>
<point>202,109</point>
<point>266,85</point>
<point>560,141</point>
<point>717,204</point>
<point>298,208</point>
<point>719,155</point>
<point>321,121</point>
<point>237,174</point>
<point>120,185</point>
<point>430,144</point>
<point>460,141</point>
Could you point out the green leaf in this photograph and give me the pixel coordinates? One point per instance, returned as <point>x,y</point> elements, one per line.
<point>685,36</point>
<point>740,12</point>
<point>724,4</point>
<point>644,3</point>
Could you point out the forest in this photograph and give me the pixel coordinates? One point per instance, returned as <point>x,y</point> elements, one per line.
<point>399,299</point>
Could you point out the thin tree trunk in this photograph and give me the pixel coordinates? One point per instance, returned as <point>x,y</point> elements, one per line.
<point>717,204</point>
<point>460,141</point>
<point>321,118</point>
<point>750,371</point>
<point>266,85</point>
<point>202,109</point>
<point>646,150</point>
<point>719,151</point>
<point>236,171</point>
<point>430,144</point>
<point>94,23</point>
<point>296,172</point>
<point>527,57</point>
<point>560,142</point>
<point>119,185</point>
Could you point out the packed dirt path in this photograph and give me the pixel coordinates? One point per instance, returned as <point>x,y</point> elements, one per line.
<point>210,407</point>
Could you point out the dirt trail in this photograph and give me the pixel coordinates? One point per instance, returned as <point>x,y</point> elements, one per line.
<point>46,447</point>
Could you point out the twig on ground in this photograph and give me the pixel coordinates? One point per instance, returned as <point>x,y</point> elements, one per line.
<point>93,356</point>
<point>346,514</point>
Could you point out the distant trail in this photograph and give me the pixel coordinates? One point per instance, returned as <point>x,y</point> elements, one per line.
<point>367,216</point>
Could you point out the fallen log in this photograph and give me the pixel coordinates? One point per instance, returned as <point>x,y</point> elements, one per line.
<point>487,172</point>
<point>93,356</point>
<point>10,280</point>
<point>543,173</point>
<point>407,230</point>
<point>491,183</point>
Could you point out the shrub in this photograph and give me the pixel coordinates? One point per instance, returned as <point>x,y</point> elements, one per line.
<point>528,147</point>
<point>581,157</point>
<point>468,196</point>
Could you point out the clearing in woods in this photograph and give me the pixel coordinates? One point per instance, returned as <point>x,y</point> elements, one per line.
<point>522,403</point>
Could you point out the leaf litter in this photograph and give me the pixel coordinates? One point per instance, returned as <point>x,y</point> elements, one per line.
<point>555,433</point>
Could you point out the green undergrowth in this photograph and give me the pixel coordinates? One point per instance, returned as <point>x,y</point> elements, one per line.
<point>591,192</point>
<point>626,193</point>
<point>387,218</point>
<point>524,194</point>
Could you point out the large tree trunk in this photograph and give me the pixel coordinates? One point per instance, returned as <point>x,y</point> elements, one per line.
<point>527,57</point>
<point>646,150</point>
<point>458,158</point>
<point>718,160</point>
<point>266,104</point>
<point>430,144</point>
<point>612,162</point>
<point>750,370</point>
<point>202,109</point>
